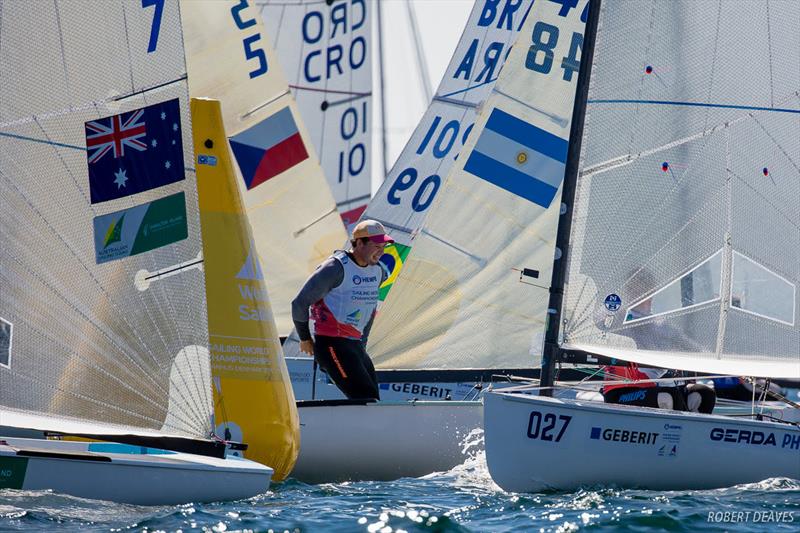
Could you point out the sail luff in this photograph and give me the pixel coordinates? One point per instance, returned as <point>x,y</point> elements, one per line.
<point>561,258</point>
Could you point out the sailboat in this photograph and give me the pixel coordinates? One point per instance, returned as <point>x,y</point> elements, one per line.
<point>680,234</point>
<point>469,296</point>
<point>407,196</point>
<point>102,289</point>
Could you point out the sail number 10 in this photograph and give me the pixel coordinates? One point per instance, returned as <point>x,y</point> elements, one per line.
<point>544,431</point>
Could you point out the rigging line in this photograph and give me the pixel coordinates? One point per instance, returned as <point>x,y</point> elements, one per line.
<point>561,121</point>
<point>774,140</point>
<point>328,91</point>
<point>63,52</point>
<point>43,141</point>
<point>422,65</point>
<point>316,220</point>
<point>763,197</point>
<point>265,104</point>
<point>148,89</point>
<point>128,46</point>
<point>382,83</point>
<point>451,101</point>
<point>695,104</point>
<point>466,89</point>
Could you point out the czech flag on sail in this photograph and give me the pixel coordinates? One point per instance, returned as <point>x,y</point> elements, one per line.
<point>269,148</point>
<point>134,152</point>
<point>519,157</point>
<point>392,260</point>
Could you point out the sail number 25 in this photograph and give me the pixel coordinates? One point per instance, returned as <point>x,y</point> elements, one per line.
<point>543,426</point>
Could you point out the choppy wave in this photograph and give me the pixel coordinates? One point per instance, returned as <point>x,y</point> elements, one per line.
<point>463,499</point>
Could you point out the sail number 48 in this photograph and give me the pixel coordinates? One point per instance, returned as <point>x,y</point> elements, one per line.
<point>542,426</point>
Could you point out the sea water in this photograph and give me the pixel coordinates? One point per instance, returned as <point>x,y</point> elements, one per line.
<point>460,500</point>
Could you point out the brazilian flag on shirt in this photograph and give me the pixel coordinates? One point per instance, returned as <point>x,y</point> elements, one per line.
<point>392,259</point>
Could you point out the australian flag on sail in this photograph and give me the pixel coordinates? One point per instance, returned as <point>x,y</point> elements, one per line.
<point>134,151</point>
<point>519,157</point>
<point>269,148</point>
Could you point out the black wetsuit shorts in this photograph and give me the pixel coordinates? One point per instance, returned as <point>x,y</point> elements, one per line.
<point>348,365</point>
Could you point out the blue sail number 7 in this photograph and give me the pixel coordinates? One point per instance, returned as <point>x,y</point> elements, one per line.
<point>151,47</point>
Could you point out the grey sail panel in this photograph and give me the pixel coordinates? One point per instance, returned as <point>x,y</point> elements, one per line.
<point>91,337</point>
<point>685,248</point>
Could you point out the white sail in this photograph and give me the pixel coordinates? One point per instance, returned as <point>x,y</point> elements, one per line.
<point>685,248</point>
<point>404,199</point>
<point>102,295</point>
<point>290,208</point>
<point>326,50</point>
<point>473,291</point>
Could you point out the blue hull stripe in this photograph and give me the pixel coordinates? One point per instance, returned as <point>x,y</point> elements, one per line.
<point>505,151</point>
<point>270,131</point>
<point>510,179</point>
<point>528,135</point>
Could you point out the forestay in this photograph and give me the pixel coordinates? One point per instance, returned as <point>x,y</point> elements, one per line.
<point>326,50</point>
<point>102,300</point>
<point>685,250</point>
<point>289,206</point>
<point>473,291</point>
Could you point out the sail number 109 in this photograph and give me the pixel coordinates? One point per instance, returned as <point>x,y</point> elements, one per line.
<point>543,426</point>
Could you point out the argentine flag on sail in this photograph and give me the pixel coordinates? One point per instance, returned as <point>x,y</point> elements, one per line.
<point>519,157</point>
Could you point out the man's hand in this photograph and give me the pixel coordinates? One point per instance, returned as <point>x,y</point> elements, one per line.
<point>307,347</point>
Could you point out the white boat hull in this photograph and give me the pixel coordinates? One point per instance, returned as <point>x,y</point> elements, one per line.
<point>127,474</point>
<point>535,443</point>
<point>311,384</point>
<point>383,440</point>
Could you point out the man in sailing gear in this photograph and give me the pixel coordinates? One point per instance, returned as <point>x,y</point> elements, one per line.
<point>342,294</point>
<point>662,394</point>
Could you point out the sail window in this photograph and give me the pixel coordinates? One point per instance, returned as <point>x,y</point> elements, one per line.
<point>699,286</point>
<point>759,291</point>
<point>5,343</point>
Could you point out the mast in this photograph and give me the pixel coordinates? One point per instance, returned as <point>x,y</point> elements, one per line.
<point>552,350</point>
<point>422,65</point>
<point>384,167</point>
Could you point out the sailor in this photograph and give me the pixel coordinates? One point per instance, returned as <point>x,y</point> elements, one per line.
<point>737,388</point>
<point>664,393</point>
<point>342,294</point>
